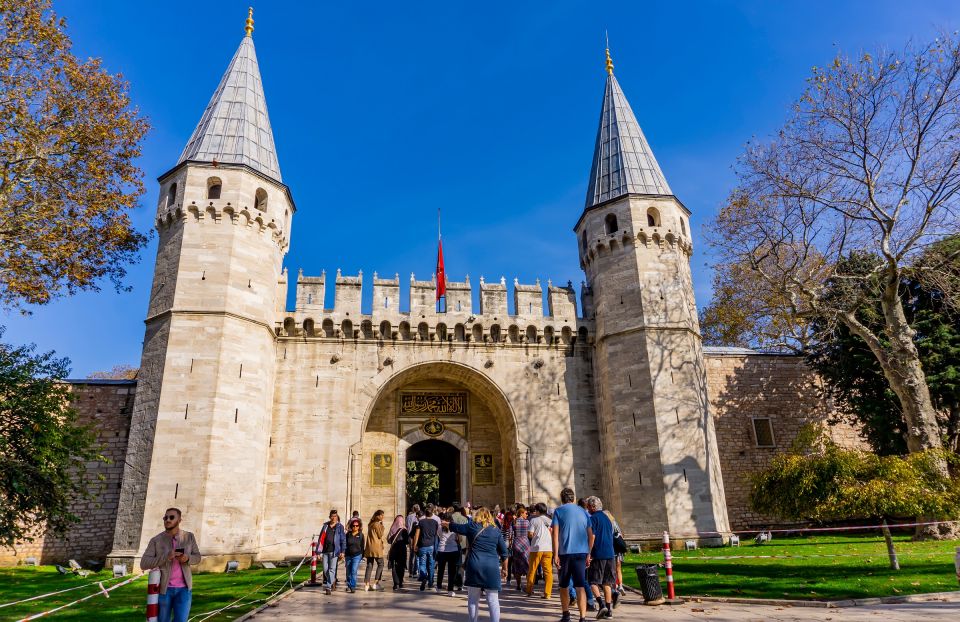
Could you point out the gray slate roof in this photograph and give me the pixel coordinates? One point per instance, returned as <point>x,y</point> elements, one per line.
<point>623,162</point>
<point>235,127</point>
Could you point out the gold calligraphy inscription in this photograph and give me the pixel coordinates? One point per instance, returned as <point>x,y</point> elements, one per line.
<point>423,403</point>
<point>381,470</point>
<point>483,473</point>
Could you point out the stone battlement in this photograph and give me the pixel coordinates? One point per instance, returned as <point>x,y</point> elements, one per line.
<point>647,237</point>
<point>491,324</point>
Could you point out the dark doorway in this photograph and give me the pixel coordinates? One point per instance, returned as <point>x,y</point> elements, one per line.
<point>433,473</point>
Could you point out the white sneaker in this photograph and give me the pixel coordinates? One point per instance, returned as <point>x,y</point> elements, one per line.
<point>450,593</point>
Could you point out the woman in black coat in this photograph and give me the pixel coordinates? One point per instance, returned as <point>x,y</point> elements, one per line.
<point>398,539</point>
<point>487,551</point>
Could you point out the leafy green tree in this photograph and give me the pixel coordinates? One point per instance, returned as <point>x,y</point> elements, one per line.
<point>69,140</point>
<point>423,482</point>
<point>43,449</point>
<point>823,482</point>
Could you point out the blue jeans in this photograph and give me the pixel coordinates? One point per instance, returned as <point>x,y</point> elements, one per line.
<point>353,563</point>
<point>573,595</point>
<point>330,563</point>
<point>175,604</point>
<point>425,565</point>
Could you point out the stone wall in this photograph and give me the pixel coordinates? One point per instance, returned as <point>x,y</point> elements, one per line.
<point>744,385</point>
<point>106,406</point>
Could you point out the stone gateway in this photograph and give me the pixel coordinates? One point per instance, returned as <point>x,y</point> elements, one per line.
<point>256,420</point>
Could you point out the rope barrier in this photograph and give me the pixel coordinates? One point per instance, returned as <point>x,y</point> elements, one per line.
<point>714,534</point>
<point>677,558</point>
<point>103,591</point>
<point>201,617</point>
<point>69,589</point>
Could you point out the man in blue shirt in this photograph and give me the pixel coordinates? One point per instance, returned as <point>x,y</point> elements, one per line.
<point>572,541</point>
<point>601,562</point>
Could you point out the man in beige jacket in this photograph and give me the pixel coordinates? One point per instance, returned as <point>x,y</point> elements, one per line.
<point>173,551</point>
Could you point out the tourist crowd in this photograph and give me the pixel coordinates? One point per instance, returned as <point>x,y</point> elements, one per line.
<point>480,548</point>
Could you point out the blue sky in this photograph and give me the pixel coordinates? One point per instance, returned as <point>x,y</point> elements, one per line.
<point>384,111</point>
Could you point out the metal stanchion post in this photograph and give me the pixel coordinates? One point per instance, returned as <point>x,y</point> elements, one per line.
<point>153,595</point>
<point>668,565</point>
<point>313,560</point>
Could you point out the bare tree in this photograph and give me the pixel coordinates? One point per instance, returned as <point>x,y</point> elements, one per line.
<point>867,166</point>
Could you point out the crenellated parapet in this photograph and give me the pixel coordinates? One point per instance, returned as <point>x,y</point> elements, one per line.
<point>646,238</point>
<point>197,193</point>
<point>424,323</point>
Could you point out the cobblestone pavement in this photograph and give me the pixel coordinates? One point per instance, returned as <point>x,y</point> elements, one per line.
<point>312,604</point>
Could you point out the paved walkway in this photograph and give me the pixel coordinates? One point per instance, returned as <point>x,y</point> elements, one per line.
<point>312,604</point>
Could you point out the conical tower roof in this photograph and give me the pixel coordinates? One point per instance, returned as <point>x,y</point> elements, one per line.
<point>623,162</point>
<point>235,127</point>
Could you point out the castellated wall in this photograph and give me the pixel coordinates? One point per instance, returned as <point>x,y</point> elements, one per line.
<point>744,385</point>
<point>528,379</point>
<point>105,405</point>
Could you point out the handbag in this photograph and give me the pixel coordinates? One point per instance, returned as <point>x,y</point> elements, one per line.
<point>619,544</point>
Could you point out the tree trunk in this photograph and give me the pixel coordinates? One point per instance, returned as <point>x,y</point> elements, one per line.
<point>905,375</point>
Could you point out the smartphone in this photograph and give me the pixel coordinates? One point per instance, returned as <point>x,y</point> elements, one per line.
<point>178,551</point>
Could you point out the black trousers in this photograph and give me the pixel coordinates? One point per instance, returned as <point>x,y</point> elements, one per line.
<point>451,562</point>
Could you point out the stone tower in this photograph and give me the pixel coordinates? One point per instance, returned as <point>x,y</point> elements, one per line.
<point>200,428</point>
<point>661,470</point>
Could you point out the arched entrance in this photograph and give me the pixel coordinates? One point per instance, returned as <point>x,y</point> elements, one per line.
<point>433,473</point>
<point>444,414</point>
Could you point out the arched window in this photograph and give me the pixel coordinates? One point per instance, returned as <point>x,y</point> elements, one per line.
<point>442,331</point>
<point>566,335</point>
<point>477,333</point>
<point>308,328</point>
<point>548,335</point>
<point>171,195</point>
<point>290,327</point>
<point>531,334</point>
<point>366,329</point>
<point>653,217</point>
<point>683,226</point>
<point>327,328</point>
<point>610,223</point>
<point>424,331</point>
<point>261,200</point>
<point>214,186</point>
<point>459,333</point>
<point>495,333</point>
<point>514,333</point>
<point>583,241</point>
<point>347,329</point>
<point>405,330</point>
<point>385,330</point>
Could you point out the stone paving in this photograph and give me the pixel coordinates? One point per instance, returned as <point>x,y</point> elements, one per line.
<point>312,604</point>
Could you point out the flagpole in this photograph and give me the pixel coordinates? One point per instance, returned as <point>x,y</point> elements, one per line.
<point>439,276</point>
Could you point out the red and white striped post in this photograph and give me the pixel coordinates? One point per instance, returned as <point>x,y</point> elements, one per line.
<point>313,561</point>
<point>153,595</point>
<point>668,564</point>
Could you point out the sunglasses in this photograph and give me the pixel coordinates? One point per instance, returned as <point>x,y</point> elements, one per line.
<point>170,517</point>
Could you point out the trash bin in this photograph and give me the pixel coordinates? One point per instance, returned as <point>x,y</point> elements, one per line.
<point>649,577</point>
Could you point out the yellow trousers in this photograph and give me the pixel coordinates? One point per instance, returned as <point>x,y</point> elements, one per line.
<point>545,559</point>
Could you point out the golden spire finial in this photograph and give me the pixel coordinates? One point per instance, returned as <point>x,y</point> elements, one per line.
<point>249,27</point>
<point>609,63</point>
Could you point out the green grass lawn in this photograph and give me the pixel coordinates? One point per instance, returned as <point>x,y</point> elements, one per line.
<point>210,591</point>
<point>792,573</point>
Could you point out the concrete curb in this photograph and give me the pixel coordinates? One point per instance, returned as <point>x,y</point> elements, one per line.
<point>822,604</point>
<point>250,614</point>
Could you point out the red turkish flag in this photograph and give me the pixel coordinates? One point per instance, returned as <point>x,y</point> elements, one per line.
<point>441,276</point>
